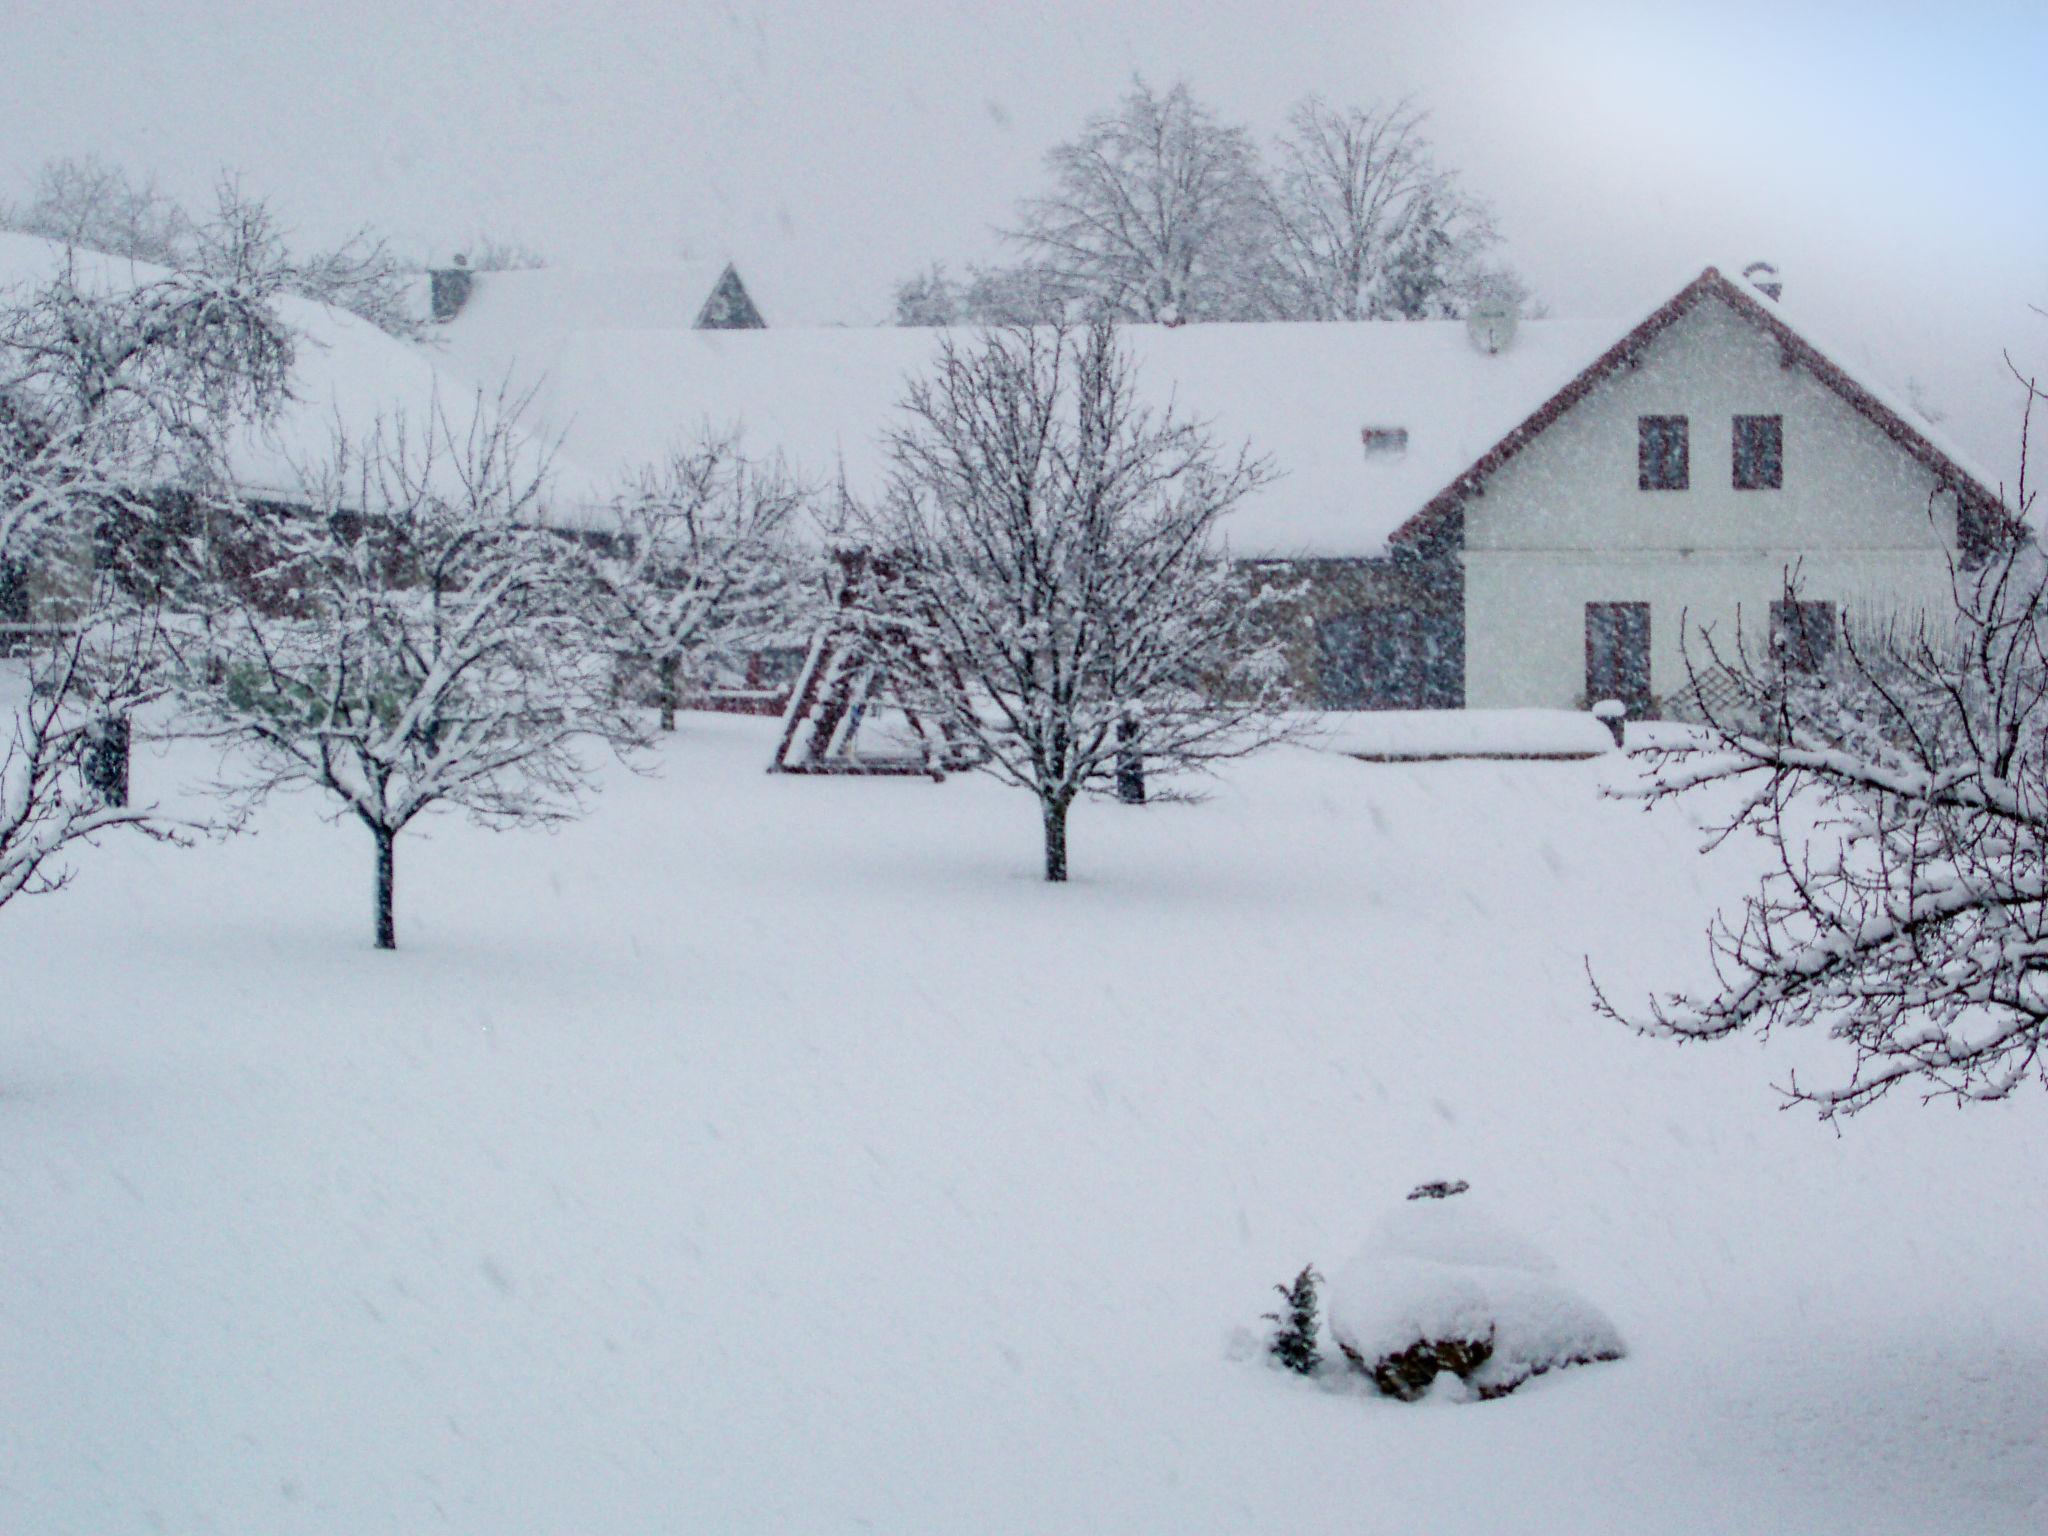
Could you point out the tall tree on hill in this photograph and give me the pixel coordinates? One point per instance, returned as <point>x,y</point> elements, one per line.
<point>1156,213</point>
<point>695,563</point>
<point>411,639</point>
<point>1054,542</point>
<point>1366,225</point>
<point>1899,780</point>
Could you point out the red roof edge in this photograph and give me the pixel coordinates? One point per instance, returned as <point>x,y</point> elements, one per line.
<point>1451,499</point>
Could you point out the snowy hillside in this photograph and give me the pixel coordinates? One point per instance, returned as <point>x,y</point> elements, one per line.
<point>771,1155</point>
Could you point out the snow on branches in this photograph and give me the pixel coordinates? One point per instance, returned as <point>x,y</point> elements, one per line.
<point>414,639</point>
<point>113,391</point>
<point>1054,540</point>
<point>1899,779</point>
<point>67,694</point>
<point>695,564</point>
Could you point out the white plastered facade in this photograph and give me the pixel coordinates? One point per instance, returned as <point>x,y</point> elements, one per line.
<point>1564,523</point>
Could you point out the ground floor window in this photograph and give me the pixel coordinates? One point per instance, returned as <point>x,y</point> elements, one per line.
<point>1803,634</point>
<point>1384,658</point>
<point>1618,655</point>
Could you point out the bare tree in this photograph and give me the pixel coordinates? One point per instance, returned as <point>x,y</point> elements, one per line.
<point>68,687</point>
<point>415,640</point>
<point>1898,776</point>
<point>495,253</point>
<point>1054,542</point>
<point>1366,225</point>
<point>87,204</point>
<point>1157,213</point>
<point>115,392</point>
<point>365,277</point>
<point>696,563</point>
<point>83,201</point>
<point>116,395</point>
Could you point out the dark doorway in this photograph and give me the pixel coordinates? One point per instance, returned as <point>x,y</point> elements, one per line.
<point>1618,655</point>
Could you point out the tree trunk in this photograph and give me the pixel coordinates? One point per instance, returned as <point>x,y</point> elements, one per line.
<point>668,677</point>
<point>1055,839</point>
<point>387,927</point>
<point>1130,764</point>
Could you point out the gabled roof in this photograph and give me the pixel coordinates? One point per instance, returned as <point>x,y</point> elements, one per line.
<point>1944,463</point>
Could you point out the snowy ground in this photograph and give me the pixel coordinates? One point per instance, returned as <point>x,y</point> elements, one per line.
<point>779,1155</point>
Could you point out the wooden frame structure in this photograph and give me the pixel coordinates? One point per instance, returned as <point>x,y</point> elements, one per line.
<point>852,669</point>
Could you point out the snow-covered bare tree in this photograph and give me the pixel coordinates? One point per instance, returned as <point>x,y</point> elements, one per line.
<point>694,563</point>
<point>1898,775</point>
<point>87,204</point>
<point>1366,225</point>
<point>1157,213</point>
<point>1054,540</point>
<point>413,639</point>
<point>82,201</point>
<point>365,277</point>
<point>60,692</point>
<point>117,392</point>
<point>929,297</point>
<point>1023,293</point>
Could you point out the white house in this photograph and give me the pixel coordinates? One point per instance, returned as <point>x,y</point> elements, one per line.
<point>1707,456</point>
<point>1486,515</point>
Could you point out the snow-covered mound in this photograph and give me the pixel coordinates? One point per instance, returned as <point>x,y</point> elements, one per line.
<point>1442,1286</point>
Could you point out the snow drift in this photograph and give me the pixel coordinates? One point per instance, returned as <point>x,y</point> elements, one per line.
<point>1441,1286</point>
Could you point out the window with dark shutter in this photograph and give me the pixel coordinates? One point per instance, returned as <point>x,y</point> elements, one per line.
<point>1759,453</point>
<point>1803,634</point>
<point>1663,453</point>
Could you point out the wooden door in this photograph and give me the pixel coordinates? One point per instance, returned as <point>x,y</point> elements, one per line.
<point>1618,655</point>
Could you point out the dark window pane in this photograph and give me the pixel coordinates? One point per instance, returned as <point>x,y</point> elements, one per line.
<point>1759,453</point>
<point>1663,453</point>
<point>1380,658</point>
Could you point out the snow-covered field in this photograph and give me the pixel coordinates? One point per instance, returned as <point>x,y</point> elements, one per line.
<point>780,1155</point>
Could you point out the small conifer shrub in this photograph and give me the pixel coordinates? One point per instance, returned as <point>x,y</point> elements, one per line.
<point>1294,1338</point>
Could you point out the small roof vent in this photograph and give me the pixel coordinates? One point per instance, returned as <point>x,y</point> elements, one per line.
<point>1491,324</point>
<point>1763,277</point>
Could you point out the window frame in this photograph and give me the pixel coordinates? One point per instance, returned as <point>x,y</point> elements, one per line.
<point>1655,436</point>
<point>1767,468</point>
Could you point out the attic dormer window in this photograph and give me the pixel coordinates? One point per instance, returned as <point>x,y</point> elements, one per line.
<point>1384,442</point>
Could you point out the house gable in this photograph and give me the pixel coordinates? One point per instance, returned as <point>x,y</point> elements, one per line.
<point>1585,485</point>
<point>1981,513</point>
<point>729,307</point>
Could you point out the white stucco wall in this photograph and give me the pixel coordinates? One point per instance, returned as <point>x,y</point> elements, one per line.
<point>1564,524</point>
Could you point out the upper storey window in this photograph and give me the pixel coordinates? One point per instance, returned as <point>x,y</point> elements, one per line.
<point>1759,453</point>
<point>1663,453</point>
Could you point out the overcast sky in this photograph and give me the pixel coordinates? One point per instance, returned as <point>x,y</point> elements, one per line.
<point>1889,157</point>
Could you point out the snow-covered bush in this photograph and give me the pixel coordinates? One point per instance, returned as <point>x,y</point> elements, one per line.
<point>1441,1287</point>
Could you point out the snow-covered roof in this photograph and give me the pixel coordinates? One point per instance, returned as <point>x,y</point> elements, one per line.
<point>346,375</point>
<point>1302,393</point>
<point>516,323</point>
